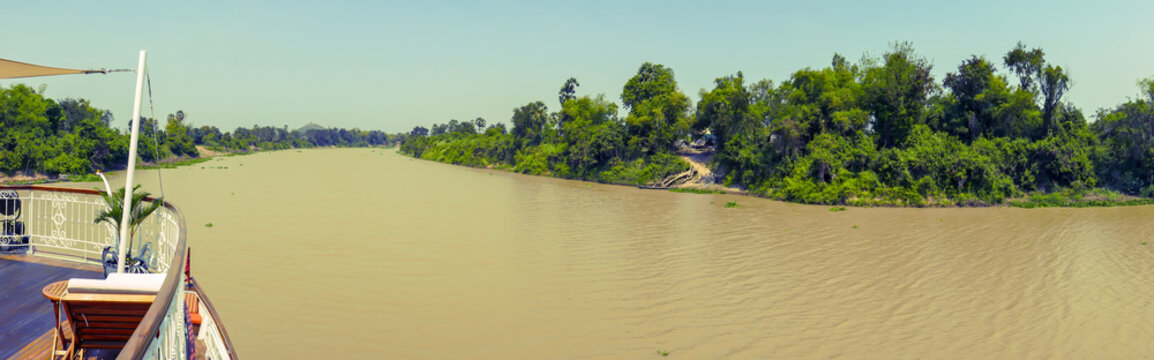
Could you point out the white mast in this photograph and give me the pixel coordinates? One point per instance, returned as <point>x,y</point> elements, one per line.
<point>126,207</point>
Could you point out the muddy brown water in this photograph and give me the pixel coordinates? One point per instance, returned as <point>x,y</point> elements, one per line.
<point>364,253</point>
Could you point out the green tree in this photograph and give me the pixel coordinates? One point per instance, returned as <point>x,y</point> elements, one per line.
<point>652,80</point>
<point>659,113</point>
<point>1027,64</point>
<point>529,123</point>
<point>177,138</point>
<point>1125,155</point>
<point>896,93</point>
<point>725,109</point>
<point>1053,83</point>
<point>972,111</point>
<point>1035,76</point>
<point>568,91</point>
<point>496,129</point>
<point>594,134</point>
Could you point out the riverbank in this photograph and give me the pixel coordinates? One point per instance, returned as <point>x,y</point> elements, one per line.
<point>700,178</point>
<point>170,163</point>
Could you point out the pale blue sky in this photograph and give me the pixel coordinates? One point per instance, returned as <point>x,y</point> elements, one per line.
<point>393,65</point>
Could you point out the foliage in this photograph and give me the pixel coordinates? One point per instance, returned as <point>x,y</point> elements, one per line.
<point>42,136</point>
<point>1125,155</point>
<point>896,92</point>
<point>529,123</point>
<point>881,131</point>
<point>584,140</point>
<point>115,211</point>
<point>37,135</point>
<point>659,112</point>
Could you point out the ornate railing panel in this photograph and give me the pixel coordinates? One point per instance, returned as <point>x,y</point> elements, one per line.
<point>171,342</point>
<point>62,224</point>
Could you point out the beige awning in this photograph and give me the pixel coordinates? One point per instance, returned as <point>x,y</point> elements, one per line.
<point>15,69</point>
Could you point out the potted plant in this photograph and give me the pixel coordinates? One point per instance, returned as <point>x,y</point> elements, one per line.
<point>113,215</point>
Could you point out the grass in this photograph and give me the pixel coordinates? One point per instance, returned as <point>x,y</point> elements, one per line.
<point>31,182</point>
<point>174,164</point>
<point>837,208</point>
<point>1079,199</point>
<point>663,352</point>
<point>696,191</point>
<point>208,225</point>
<point>731,204</point>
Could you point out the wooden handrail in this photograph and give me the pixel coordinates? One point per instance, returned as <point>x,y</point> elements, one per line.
<point>71,190</point>
<point>149,328</point>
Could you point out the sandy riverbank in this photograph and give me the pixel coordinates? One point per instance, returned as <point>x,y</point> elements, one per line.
<point>700,176</point>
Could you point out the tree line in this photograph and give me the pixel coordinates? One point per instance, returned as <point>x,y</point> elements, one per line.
<point>881,130</point>
<point>39,135</point>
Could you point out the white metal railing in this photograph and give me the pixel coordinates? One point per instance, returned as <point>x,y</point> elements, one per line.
<point>60,223</point>
<point>172,342</point>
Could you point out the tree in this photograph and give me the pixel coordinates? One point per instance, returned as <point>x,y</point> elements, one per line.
<point>177,137</point>
<point>725,109</point>
<point>1147,87</point>
<point>652,80</point>
<point>496,129</point>
<point>419,131</point>
<point>594,133</point>
<point>1037,77</point>
<point>1053,83</point>
<point>568,91</point>
<point>1125,158</point>
<point>1027,64</point>
<point>529,123</point>
<point>479,122</point>
<point>896,93</point>
<point>827,100</point>
<point>659,113</point>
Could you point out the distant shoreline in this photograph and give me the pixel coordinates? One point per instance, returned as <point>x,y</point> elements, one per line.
<point>174,162</point>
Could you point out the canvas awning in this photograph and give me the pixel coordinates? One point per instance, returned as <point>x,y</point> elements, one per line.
<point>14,69</point>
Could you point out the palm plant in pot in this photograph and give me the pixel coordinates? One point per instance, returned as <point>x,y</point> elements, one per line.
<point>113,215</point>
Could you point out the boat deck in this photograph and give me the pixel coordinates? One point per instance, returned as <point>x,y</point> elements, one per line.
<point>25,314</point>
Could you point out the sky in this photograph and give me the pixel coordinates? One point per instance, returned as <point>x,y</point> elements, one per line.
<point>384,65</point>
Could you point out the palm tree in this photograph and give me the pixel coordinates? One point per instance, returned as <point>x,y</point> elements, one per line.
<point>113,214</point>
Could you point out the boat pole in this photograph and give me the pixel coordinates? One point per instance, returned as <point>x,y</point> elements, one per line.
<point>126,206</point>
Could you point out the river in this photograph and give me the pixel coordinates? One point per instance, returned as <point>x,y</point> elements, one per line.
<point>364,253</point>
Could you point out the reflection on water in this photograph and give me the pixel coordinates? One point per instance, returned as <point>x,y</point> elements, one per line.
<point>359,253</point>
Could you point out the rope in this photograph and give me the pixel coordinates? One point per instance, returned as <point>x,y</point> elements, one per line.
<point>156,151</point>
<point>155,141</point>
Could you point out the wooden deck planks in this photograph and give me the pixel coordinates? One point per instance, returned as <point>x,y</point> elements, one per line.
<point>26,315</point>
<point>87,266</point>
<point>39,349</point>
